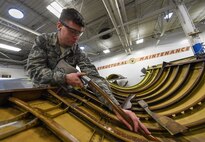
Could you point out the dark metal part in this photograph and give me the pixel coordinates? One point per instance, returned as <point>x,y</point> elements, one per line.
<point>169,124</point>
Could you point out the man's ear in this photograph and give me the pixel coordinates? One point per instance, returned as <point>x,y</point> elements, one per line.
<point>59,25</point>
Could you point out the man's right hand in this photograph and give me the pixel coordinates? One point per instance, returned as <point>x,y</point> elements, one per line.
<point>73,79</point>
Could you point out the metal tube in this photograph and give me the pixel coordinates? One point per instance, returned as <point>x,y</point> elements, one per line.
<point>121,23</point>
<point>114,23</point>
<point>19,26</point>
<point>129,23</point>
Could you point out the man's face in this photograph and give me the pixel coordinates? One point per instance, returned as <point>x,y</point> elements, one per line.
<point>69,33</point>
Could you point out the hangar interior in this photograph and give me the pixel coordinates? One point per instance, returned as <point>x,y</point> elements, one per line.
<point>151,52</point>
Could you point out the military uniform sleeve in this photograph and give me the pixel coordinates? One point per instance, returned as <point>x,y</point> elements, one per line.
<point>87,67</point>
<point>37,65</point>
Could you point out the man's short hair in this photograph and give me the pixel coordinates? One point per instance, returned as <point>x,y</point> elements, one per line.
<point>70,14</point>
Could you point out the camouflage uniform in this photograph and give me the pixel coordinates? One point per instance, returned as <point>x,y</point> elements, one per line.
<point>44,56</point>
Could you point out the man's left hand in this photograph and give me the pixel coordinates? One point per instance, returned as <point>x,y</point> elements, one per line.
<point>136,121</point>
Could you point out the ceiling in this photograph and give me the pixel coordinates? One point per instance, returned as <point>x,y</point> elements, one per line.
<point>110,24</point>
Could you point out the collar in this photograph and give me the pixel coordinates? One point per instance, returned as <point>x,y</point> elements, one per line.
<point>54,39</point>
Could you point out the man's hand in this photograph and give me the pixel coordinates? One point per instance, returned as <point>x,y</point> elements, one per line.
<point>73,79</point>
<point>137,124</point>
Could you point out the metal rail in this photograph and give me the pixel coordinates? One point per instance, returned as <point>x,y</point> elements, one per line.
<point>55,127</point>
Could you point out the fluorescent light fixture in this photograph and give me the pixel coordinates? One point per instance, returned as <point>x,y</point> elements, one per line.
<point>8,47</point>
<point>106,51</point>
<point>168,16</point>
<point>55,8</point>
<point>16,13</point>
<point>82,48</point>
<point>140,41</point>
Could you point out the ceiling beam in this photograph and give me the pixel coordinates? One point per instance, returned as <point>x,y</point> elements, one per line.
<point>13,61</point>
<point>140,20</point>
<point>121,23</point>
<point>110,14</point>
<point>19,26</point>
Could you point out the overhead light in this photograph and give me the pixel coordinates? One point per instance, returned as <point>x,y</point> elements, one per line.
<point>8,47</point>
<point>168,16</point>
<point>55,8</point>
<point>16,13</point>
<point>140,41</point>
<point>82,48</point>
<point>106,51</point>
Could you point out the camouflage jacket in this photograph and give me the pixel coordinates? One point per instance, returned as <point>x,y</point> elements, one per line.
<point>44,56</point>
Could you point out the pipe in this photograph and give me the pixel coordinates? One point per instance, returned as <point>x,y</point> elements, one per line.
<point>114,23</point>
<point>13,61</point>
<point>121,23</point>
<point>129,23</point>
<point>4,55</point>
<point>124,15</point>
<point>162,26</point>
<point>19,26</point>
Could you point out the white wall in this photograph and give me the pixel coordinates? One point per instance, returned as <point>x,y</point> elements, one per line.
<point>14,71</point>
<point>133,70</point>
